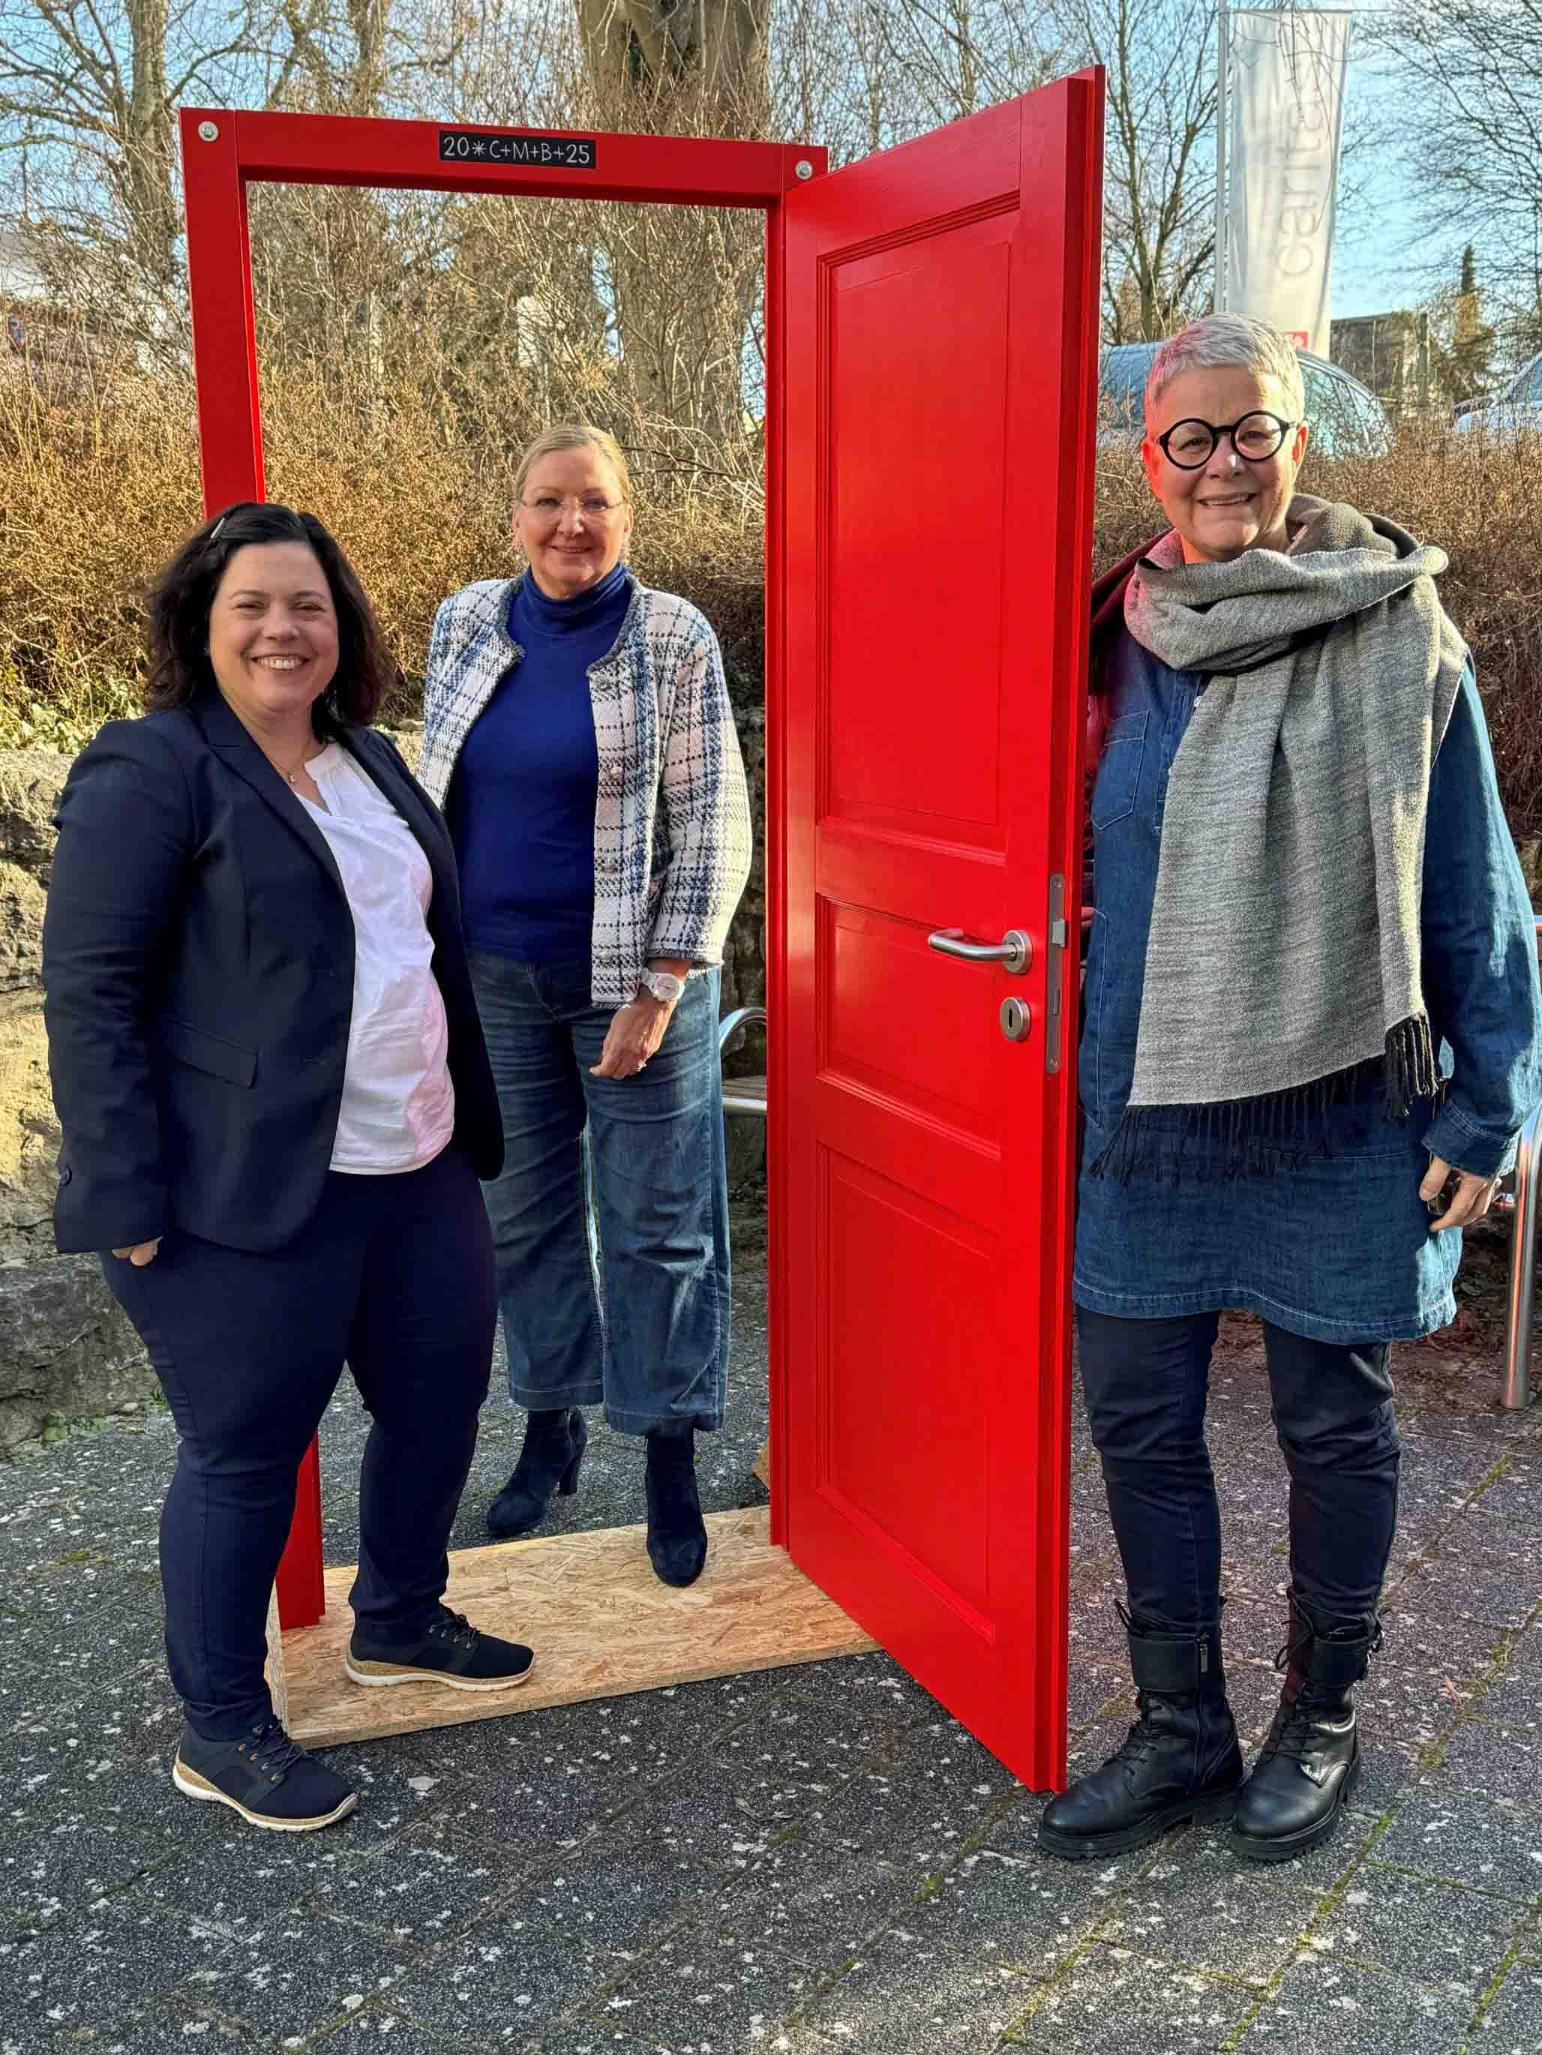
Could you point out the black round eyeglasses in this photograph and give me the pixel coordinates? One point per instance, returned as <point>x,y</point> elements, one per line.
<point>1191,444</point>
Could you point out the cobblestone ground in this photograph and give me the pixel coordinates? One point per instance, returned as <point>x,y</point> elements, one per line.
<point>804,1860</point>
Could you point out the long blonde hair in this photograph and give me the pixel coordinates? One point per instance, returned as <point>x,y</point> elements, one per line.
<point>574,435</point>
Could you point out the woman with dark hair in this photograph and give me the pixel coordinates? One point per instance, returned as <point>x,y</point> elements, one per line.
<point>276,1106</point>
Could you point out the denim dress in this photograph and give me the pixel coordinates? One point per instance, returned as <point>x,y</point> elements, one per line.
<point>1338,1249</point>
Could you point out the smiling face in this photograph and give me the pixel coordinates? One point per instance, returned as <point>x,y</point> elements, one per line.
<point>1231,503</point>
<point>559,523</point>
<point>273,634</point>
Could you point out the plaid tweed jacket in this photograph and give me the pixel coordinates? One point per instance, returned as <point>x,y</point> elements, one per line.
<point>672,816</point>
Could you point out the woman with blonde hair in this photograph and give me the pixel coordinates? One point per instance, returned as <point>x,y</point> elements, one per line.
<point>579,736</point>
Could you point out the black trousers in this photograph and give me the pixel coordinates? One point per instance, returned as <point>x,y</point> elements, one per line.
<point>1146,1382</point>
<point>394,1274</point>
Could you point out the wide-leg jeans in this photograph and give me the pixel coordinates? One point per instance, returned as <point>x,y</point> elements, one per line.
<point>649,1336</point>
<point>393,1273</point>
<point>1146,1383</point>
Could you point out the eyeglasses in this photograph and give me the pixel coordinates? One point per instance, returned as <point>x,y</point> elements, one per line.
<point>1191,444</point>
<point>547,507</point>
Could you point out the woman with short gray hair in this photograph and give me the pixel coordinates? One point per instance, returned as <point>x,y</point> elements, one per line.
<point>1312,1031</point>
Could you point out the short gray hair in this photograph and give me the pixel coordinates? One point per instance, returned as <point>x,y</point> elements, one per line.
<point>1228,339</point>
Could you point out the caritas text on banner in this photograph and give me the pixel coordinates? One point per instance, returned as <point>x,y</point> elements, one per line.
<point>1283,83</point>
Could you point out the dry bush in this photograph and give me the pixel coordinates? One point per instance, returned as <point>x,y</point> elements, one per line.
<point>98,473</point>
<point>1482,502</point>
<point>98,483</point>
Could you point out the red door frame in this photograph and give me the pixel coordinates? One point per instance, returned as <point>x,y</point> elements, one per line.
<point>223,151</point>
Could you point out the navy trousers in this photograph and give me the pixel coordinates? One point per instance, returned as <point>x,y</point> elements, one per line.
<point>394,1274</point>
<point>1146,1382</point>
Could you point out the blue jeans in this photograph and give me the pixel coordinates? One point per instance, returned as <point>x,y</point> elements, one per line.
<point>649,1337</point>
<point>1146,1382</point>
<point>396,1275</point>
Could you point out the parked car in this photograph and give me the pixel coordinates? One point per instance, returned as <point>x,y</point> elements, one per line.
<point>1518,406</point>
<point>1346,417</point>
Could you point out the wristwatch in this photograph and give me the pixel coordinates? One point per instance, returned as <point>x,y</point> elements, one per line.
<point>662,984</point>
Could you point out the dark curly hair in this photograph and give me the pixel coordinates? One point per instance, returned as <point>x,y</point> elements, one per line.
<point>181,597</point>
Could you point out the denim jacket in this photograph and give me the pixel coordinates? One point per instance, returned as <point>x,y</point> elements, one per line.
<point>1383,1275</point>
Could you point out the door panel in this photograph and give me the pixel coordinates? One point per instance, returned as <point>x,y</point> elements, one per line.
<point>940,363</point>
<point>955,292</point>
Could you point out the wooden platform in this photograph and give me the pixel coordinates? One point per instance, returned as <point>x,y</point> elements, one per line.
<point>600,1622</point>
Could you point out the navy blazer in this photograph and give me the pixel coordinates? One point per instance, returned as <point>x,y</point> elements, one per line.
<point>198,958</point>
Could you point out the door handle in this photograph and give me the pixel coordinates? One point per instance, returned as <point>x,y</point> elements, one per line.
<point>1014,952</point>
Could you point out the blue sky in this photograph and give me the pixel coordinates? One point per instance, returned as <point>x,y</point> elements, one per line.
<point>1384,256</point>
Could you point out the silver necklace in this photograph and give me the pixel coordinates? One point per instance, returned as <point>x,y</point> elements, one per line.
<point>300,766</point>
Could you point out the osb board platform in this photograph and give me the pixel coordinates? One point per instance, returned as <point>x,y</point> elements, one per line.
<point>600,1622</point>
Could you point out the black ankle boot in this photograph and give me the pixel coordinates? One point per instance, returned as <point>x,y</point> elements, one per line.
<point>677,1537</point>
<point>1180,1761</point>
<point>1307,1769</point>
<point>549,1462</point>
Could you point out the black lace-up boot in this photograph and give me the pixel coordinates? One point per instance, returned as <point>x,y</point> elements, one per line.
<point>1306,1771</point>
<point>1180,1760</point>
<point>549,1462</point>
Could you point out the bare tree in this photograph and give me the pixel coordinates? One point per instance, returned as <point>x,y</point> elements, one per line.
<point>89,93</point>
<point>683,284</point>
<point>950,58</point>
<point>1159,170</point>
<point>1474,70</point>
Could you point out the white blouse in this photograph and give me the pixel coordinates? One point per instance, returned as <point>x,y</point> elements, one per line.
<point>398,1107</point>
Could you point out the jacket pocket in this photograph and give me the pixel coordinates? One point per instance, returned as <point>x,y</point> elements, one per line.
<point>201,1051</point>
<point>1113,792</point>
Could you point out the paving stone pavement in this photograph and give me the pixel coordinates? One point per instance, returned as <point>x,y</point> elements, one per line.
<point>805,1860</point>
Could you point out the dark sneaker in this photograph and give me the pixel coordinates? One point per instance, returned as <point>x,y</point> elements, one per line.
<point>452,1652</point>
<point>264,1777</point>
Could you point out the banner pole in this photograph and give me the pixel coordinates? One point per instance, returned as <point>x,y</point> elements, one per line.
<point>1220,158</point>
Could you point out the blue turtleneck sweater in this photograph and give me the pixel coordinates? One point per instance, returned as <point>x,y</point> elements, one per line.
<point>521,806</point>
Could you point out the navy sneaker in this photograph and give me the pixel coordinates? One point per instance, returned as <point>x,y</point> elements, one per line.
<point>451,1651</point>
<point>263,1776</point>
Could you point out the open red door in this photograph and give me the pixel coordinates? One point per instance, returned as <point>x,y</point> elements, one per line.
<point>940,311</point>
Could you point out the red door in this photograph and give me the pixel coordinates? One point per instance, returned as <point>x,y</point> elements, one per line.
<point>940,310</point>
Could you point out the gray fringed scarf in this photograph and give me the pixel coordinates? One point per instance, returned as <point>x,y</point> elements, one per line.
<point>1284,945</point>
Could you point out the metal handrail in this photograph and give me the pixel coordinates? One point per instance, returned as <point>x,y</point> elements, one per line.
<point>1515,1390</point>
<point>730,1025</point>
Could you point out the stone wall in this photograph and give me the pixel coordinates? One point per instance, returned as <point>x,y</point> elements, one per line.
<point>66,1351</point>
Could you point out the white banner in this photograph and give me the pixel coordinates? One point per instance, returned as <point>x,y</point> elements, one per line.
<point>1283,118</point>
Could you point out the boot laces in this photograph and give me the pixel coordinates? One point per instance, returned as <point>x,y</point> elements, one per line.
<point>1291,1732</point>
<point>1141,1739</point>
<point>270,1750</point>
<point>455,1628</point>
<point>1294,1728</point>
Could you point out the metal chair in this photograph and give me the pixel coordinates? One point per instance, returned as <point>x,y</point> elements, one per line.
<point>1520,1200</point>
